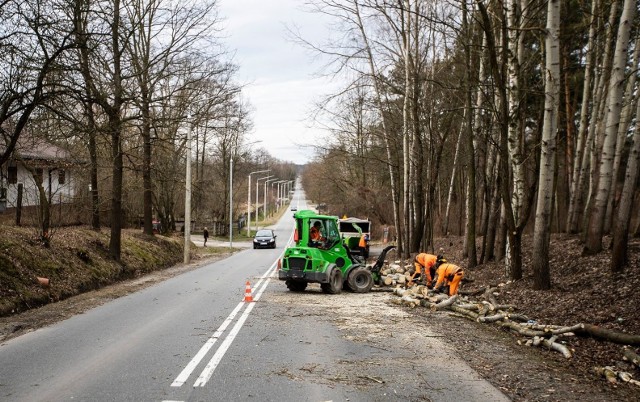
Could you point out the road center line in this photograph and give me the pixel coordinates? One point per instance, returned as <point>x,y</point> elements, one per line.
<point>224,346</point>
<point>186,372</point>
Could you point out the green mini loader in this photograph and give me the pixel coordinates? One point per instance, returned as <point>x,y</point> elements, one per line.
<point>325,260</point>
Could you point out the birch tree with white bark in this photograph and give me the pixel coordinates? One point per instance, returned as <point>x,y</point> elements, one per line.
<point>614,106</point>
<point>541,274</point>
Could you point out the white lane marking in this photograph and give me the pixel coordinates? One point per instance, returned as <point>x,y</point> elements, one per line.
<point>224,346</point>
<point>186,372</point>
<point>222,350</point>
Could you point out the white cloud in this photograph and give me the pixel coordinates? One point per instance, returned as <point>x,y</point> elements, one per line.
<point>279,74</point>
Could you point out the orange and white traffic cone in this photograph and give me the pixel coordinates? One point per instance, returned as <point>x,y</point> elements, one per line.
<point>247,293</point>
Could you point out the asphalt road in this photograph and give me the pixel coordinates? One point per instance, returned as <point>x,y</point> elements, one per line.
<point>193,338</point>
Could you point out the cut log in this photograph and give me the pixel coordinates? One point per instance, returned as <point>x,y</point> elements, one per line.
<point>504,316</point>
<point>410,301</point>
<point>606,372</point>
<point>446,303</point>
<point>388,280</point>
<point>426,303</point>
<point>552,345</point>
<point>632,357</point>
<point>467,313</point>
<point>399,291</point>
<point>471,292</point>
<point>381,289</point>
<point>489,296</point>
<point>470,306</point>
<point>520,329</point>
<point>564,330</point>
<point>517,317</point>
<point>627,377</point>
<point>608,335</point>
<point>612,375</point>
<point>493,318</point>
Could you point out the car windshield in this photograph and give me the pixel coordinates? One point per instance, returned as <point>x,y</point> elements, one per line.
<point>263,233</point>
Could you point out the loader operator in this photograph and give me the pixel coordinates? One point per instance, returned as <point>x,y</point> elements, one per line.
<point>449,274</point>
<point>427,263</point>
<point>314,232</point>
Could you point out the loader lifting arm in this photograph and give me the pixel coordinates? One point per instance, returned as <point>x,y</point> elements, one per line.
<point>375,268</point>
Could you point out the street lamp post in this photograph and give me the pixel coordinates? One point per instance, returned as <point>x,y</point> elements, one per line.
<point>279,189</point>
<point>276,197</point>
<point>258,196</point>
<point>231,201</point>
<point>265,196</point>
<point>249,201</point>
<point>187,199</point>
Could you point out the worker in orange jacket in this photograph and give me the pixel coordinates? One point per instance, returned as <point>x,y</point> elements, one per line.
<point>424,263</point>
<point>449,274</point>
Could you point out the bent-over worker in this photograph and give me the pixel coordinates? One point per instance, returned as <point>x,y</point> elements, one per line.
<point>449,274</point>
<point>424,263</point>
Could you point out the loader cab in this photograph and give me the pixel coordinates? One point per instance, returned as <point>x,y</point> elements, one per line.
<point>325,226</point>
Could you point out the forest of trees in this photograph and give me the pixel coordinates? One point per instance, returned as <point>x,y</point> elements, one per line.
<point>483,119</point>
<point>121,84</point>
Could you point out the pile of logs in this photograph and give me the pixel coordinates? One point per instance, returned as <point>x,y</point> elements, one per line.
<point>395,274</point>
<point>488,310</point>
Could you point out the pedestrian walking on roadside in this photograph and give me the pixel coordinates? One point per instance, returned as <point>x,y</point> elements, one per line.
<point>205,233</point>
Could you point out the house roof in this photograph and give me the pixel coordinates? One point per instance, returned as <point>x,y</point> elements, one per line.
<point>38,149</point>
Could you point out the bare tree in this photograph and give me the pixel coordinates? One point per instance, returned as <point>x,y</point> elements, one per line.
<point>623,218</point>
<point>541,272</point>
<point>616,87</point>
<point>33,36</point>
<point>161,34</point>
<point>583,143</point>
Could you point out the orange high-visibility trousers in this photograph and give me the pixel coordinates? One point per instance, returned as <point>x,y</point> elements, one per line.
<point>455,283</point>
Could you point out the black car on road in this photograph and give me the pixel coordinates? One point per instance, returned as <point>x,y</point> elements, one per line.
<point>264,238</point>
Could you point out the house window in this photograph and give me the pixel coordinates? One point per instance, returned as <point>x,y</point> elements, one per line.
<point>38,175</point>
<point>61,176</point>
<point>12,174</point>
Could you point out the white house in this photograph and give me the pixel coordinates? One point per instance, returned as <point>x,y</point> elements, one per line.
<point>35,159</point>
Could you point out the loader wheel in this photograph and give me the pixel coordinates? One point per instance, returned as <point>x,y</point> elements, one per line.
<point>360,280</point>
<point>335,282</point>
<point>296,286</point>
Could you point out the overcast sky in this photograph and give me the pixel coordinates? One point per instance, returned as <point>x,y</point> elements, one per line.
<point>280,78</point>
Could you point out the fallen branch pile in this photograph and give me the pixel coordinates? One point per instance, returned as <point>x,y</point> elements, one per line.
<point>489,310</point>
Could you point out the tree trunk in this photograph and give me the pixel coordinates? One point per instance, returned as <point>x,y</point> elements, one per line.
<point>471,170</point>
<point>623,219</point>
<point>406,130</point>
<point>386,134</point>
<point>596,224</point>
<point>452,183</point>
<point>89,90</point>
<point>494,221</point>
<point>597,126</point>
<point>541,272</point>
<point>582,149</point>
<point>623,128</point>
<point>514,232</point>
<point>147,198</point>
<point>115,128</point>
